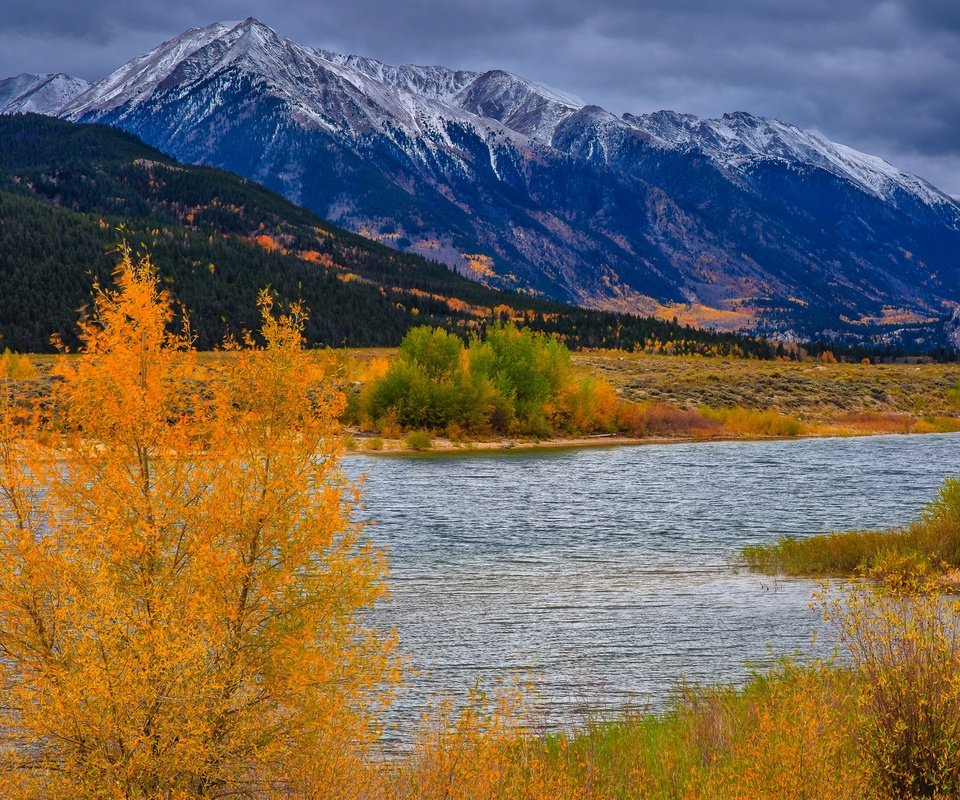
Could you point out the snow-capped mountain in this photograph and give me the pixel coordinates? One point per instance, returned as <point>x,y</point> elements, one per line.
<point>736,222</point>
<point>740,140</point>
<point>39,94</point>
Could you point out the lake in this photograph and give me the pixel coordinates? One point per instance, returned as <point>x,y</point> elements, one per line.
<point>606,574</point>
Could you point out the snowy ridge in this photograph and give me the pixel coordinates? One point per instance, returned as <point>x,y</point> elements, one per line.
<point>135,80</point>
<point>354,95</point>
<point>349,95</point>
<point>770,226</point>
<point>39,94</point>
<point>740,139</point>
<point>523,106</point>
<point>435,83</point>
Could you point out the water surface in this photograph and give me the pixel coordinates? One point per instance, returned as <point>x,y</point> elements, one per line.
<point>605,574</point>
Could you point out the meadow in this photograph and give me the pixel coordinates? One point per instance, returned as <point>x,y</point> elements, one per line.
<point>824,396</point>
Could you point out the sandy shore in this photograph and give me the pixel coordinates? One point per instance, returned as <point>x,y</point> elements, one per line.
<point>360,443</point>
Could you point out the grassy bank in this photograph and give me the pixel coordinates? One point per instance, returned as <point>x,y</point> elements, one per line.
<point>783,735</point>
<point>928,545</point>
<point>650,398</point>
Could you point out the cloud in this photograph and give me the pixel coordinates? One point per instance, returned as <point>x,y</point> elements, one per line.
<point>879,76</point>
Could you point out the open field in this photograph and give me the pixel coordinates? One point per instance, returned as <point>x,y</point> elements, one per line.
<point>862,398</point>
<point>691,397</point>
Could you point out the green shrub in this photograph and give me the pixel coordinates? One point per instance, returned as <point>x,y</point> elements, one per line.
<point>419,440</point>
<point>527,368</point>
<point>953,396</point>
<point>514,381</point>
<point>436,352</point>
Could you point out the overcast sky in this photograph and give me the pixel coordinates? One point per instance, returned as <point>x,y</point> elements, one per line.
<point>883,77</point>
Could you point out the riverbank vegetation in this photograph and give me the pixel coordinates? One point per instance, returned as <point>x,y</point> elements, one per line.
<point>929,545</point>
<point>472,401</point>
<point>518,383</point>
<point>512,381</point>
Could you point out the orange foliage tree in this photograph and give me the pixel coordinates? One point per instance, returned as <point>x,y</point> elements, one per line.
<point>182,592</point>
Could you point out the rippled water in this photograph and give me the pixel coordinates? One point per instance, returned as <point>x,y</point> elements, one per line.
<point>605,574</point>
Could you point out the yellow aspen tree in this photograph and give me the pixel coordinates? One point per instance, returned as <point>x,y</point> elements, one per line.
<point>182,590</point>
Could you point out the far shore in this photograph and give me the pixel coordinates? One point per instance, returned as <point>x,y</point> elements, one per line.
<point>444,446</point>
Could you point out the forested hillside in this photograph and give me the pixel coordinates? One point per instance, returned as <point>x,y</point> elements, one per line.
<point>69,192</point>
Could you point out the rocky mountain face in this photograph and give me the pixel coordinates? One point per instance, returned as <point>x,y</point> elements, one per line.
<point>738,222</point>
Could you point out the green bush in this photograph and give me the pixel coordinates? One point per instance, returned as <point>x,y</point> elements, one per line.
<point>525,368</point>
<point>953,396</point>
<point>419,440</point>
<point>514,381</point>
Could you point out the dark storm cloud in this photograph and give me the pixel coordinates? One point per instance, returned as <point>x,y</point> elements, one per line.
<point>879,76</point>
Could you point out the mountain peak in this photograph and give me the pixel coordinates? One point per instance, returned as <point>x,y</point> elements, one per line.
<point>742,116</point>
<point>251,25</point>
<point>360,94</point>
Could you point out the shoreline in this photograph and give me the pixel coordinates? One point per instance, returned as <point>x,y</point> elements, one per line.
<point>443,446</point>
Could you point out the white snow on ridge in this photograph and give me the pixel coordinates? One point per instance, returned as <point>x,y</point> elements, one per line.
<point>39,94</point>
<point>137,79</point>
<point>433,82</point>
<point>346,94</point>
<point>739,139</point>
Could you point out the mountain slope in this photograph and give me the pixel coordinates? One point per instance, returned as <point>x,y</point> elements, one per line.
<point>739,222</point>
<point>40,94</point>
<point>217,239</point>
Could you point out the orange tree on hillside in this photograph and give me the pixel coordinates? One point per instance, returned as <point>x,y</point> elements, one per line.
<point>181,588</point>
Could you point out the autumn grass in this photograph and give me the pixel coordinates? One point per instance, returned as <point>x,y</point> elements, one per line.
<point>784,734</point>
<point>787,734</point>
<point>753,422</point>
<point>826,398</point>
<point>931,543</point>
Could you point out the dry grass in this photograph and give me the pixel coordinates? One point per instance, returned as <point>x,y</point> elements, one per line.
<point>884,728</point>
<point>826,398</point>
<point>789,735</point>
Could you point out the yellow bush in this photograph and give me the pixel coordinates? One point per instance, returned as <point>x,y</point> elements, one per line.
<point>904,641</point>
<point>752,422</point>
<point>16,367</point>
<point>182,586</point>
